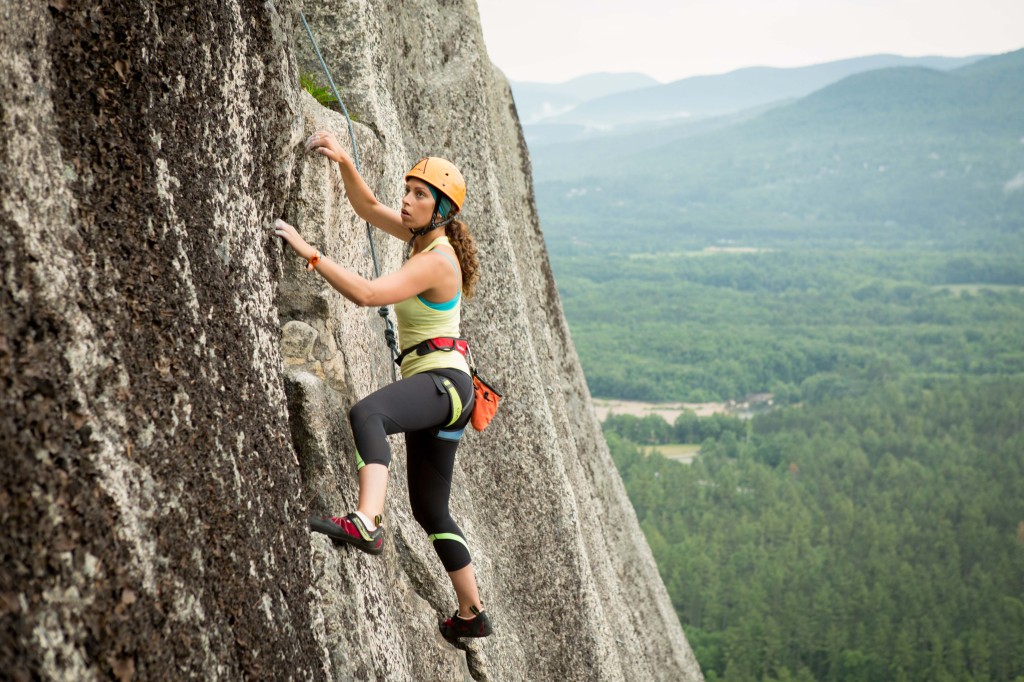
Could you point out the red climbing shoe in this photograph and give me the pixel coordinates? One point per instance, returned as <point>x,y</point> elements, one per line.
<point>351,530</point>
<point>456,626</point>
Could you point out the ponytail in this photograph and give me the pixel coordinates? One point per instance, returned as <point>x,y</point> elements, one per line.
<point>465,250</point>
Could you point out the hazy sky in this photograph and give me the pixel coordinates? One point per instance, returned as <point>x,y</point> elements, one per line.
<point>555,40</point>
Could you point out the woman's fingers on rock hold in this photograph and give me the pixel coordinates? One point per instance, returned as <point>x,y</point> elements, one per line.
<point>281,228</point>
<point>319,140</point>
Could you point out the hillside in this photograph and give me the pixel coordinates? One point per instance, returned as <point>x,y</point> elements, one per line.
<point>538,101</point>
<point>716,95</point>
<point>853,259</point>
<point>909,150</point>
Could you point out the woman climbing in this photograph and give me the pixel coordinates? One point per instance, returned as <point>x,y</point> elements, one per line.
<point>431,404</point>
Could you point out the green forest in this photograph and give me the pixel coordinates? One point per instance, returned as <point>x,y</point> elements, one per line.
<point>876,537</point>
<point>859,255</point>
<point>870,526</point>
<point>801,323</point>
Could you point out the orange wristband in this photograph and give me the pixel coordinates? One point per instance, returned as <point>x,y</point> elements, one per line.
<point>313,261</point>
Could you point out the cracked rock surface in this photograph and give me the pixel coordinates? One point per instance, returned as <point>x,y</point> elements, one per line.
<point>174,385</point>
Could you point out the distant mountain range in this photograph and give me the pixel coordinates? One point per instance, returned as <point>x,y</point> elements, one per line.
<point>600,103</point>
<point>538,101</point>
<point>933,153</point>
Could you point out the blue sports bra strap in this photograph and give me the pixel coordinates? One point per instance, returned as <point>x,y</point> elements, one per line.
<point>450,259</point>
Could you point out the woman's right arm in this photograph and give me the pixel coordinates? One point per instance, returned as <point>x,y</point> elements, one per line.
<point>418,275</point>
<point>359,194</point>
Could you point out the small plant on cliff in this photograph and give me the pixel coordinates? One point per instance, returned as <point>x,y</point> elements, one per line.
<point>320,93</point>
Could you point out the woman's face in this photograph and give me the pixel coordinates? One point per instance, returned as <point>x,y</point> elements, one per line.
<point>417,204</point>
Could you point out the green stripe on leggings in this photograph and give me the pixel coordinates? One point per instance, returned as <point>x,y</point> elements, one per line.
<point>449,536</point>
<point>453,395</point>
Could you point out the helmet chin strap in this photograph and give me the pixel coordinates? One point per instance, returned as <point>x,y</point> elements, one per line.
<point>434,224</point>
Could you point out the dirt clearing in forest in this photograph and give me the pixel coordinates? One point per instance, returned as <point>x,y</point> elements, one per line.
<point>667,411</point>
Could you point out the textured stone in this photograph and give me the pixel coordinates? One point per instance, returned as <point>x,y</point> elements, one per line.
<point>297,341</point>
<point>174,385</point>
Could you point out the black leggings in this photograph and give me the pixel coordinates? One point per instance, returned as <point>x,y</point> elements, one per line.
<point>419,408</point>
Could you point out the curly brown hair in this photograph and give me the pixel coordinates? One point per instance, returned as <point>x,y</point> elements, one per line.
<point>465,250</point>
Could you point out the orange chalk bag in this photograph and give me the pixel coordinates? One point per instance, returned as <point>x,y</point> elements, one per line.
<point>485,402</point>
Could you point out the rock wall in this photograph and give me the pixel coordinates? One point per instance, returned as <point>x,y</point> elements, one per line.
<point>174,386</point>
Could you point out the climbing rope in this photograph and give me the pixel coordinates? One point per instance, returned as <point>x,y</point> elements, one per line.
<point>389,328</point>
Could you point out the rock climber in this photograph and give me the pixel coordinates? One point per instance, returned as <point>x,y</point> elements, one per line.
<point>431,403</point>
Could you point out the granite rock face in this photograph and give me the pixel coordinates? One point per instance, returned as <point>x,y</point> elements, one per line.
<point>174,386</point>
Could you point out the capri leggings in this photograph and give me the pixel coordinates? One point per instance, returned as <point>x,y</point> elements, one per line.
<point>417,407</point>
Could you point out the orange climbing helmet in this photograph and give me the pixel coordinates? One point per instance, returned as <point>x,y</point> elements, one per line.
<point>443,176</point>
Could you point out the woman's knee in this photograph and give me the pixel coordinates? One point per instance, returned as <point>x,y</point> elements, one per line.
<point>367,418</point>
<point>359,413</point>
<point>431,517</point>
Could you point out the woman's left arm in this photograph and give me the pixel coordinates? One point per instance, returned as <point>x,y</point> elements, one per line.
<point>416,276</point>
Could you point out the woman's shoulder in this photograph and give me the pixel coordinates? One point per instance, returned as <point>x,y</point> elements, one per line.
<point>442,247</point>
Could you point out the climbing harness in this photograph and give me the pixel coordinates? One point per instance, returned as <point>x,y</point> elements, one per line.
<point>485,396</point>
<point>445,385</point>
<point>440,343</point>
<point>390,337</point>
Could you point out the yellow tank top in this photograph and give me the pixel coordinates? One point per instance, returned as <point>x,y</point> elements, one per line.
<point>420,319</point>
